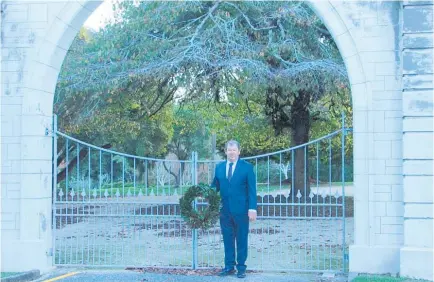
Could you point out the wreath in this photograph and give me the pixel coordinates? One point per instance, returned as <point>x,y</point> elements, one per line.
<point>201,217</point>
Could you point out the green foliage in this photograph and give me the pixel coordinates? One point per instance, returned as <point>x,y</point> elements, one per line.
<point>191,133</point>
<point>329,119</point>
<point>242,120</point>
<point>131,117</point>
<point>117,86</point>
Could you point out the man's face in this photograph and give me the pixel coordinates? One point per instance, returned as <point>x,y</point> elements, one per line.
<point>232,152</point>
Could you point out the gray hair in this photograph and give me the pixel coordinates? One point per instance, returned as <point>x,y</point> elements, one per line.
<point>231,143</point>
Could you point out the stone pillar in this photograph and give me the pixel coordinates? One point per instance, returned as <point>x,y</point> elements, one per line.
<point>417,93</point>
<point>26,187</point>
<point>377,106</point>
<point>35,38</point>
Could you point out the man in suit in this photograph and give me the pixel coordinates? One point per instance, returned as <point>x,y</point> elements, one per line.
<point>236,181</point>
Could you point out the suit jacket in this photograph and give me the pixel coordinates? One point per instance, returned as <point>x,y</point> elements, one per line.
<point>239,194</point>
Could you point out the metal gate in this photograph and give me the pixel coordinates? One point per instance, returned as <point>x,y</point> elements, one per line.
<point>115,209</point>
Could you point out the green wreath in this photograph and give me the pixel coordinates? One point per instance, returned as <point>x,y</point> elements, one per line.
<point>202,218</point>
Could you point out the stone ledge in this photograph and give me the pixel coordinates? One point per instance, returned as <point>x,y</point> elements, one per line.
<point>24,276</point>
<point>374,259</point>
<point>417,263</point>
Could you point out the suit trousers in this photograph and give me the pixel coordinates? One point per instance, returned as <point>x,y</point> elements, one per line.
<point>235,230</point>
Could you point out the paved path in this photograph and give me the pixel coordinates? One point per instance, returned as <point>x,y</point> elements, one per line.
<point>70,275</point>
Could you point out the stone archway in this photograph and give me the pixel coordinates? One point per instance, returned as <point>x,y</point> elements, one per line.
<point>368,38</point>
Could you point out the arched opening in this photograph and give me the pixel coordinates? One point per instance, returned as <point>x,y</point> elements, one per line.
<point>66,32</point>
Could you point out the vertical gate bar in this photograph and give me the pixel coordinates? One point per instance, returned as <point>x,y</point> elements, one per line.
<point>100,191</point>
<point>134,176</point>
<point>138,231</point>
<point>343,133</point>
<point>292,182</point>
<point>95,229</point>
<point>269,196</point>
<point>330,168</point>
<point>123,209</point>
<point>111,194</point>
<point>317,178</point>
<point>310,227</point>
<point>54,190</point>
<point>317,198</point>
<point>134,212</point>
<point>337,231</point>
<point>83,205</point>
<point>289,193</point>
<point>157,166</point>
<point>78,169</point>
<point>66,194</point>
<point>166,226</point>
<point>105,233</point>
<point>170,170</point>
<point>111,174</point>
<point>330,198</point>
<point>179,222</point>
<point>306,179</point>
<point>78,195</point>
<point>89,204</point>
<point>100,174</point>
<point>146,178</point>
<point>157,218</point>
<point>67,168</point>
<point>171,225</point>
<point>268,190</point>
<point>113,253</point>
<point>280,185</point>
<point>96,246</point>
<point>194,231</point>
<point>89,171</point>
<point>123,178</point>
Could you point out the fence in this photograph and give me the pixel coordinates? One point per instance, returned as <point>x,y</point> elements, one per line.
<point>115,209</point>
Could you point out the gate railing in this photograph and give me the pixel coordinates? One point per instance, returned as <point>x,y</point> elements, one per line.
<point>116,209</point>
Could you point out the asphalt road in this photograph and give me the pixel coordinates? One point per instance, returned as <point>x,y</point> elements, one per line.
<point>69,275</point>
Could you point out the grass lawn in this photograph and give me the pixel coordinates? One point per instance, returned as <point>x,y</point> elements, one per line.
<point>263,187</point>
<point>7,274</point>
<point>128,190</point>
<point>379,278</point>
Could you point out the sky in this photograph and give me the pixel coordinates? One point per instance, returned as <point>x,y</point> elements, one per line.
<point>101,14</point>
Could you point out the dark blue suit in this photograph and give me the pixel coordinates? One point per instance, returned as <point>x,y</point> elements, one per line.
<point>238,196</point>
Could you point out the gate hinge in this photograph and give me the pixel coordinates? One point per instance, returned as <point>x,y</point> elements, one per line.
<point>49,253</point>
<point>48,131</point>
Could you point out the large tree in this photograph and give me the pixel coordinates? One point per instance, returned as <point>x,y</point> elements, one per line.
<point>279,50</point>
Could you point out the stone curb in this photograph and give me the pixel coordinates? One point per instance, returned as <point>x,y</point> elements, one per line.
<point>24,276</point>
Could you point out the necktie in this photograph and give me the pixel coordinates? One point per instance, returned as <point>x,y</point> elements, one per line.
<point>230,171</point>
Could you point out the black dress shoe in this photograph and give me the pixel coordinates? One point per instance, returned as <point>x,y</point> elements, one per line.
<point>241,274</point>
<point>226,272</point>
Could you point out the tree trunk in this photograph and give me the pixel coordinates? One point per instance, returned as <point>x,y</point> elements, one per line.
<point>297,119</point>
<point>300,127</point>
<point>176,176</point>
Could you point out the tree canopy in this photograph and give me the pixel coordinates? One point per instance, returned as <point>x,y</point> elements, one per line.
<point>255,62</point>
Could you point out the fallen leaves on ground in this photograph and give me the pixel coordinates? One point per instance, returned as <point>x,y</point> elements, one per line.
<point>181,271</point>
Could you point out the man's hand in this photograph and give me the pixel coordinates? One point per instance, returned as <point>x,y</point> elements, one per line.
<point>252,215</point>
